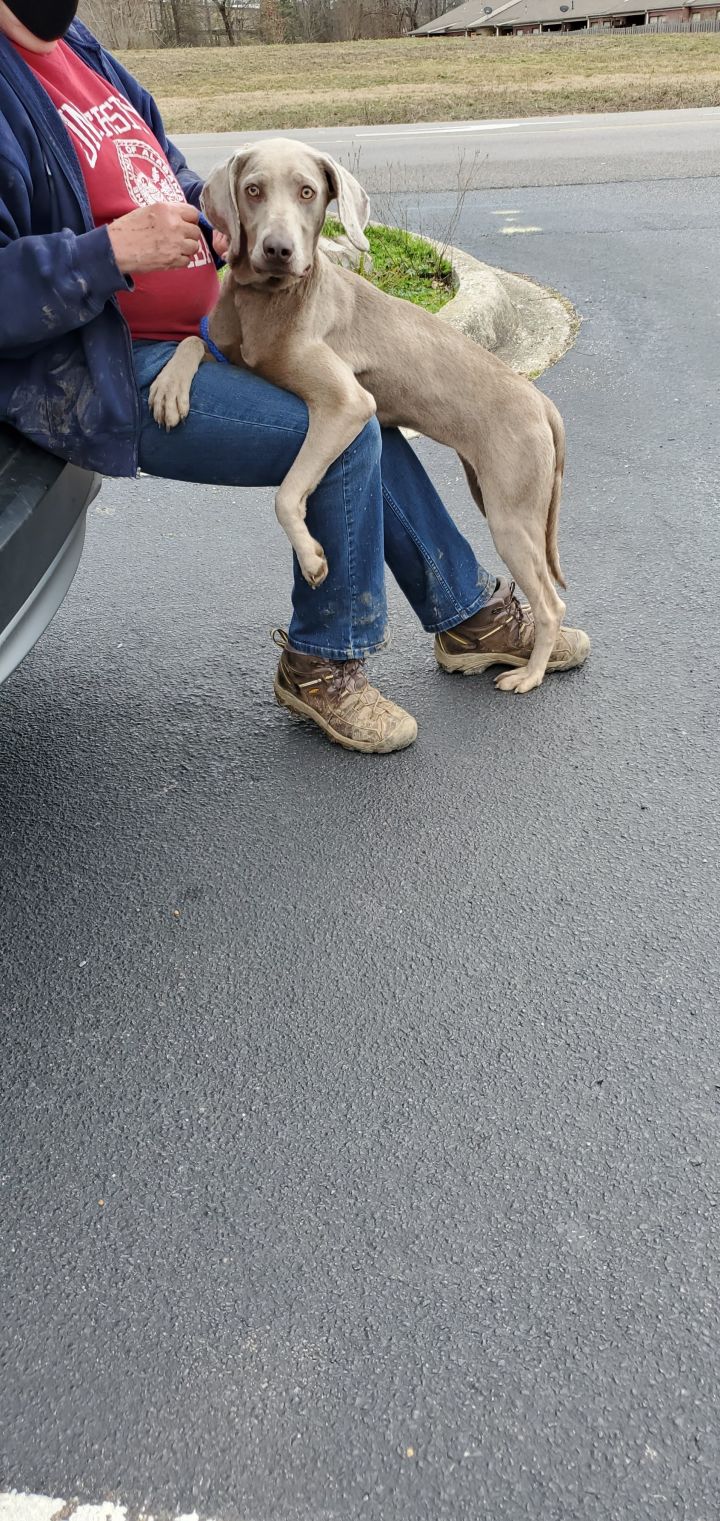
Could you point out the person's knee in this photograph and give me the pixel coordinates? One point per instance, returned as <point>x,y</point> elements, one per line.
<point>362,457</point>
<point>368,443</point>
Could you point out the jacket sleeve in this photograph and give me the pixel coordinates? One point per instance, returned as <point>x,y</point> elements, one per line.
<point>52,283</point>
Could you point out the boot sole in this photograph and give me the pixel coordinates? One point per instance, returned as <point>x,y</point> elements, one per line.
<point>471,665</point>
<point>363,746</point>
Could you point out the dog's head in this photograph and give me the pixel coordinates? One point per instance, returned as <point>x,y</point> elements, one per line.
<point>270,200</point>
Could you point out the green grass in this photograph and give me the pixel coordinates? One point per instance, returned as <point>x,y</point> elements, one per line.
<point>320,84</point>
<point>405,266</point>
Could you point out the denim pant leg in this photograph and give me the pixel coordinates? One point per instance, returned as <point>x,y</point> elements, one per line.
<point>431,560</point>
<point>241,431</point>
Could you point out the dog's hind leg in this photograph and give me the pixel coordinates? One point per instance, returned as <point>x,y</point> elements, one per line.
<point>519,534</point>
<point>473,483</point>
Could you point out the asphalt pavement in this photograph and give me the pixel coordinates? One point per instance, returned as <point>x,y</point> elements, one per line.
<point>556,150</point>
<point>360,1116</point>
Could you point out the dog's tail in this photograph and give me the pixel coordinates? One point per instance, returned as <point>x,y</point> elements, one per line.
<point>557,429</point>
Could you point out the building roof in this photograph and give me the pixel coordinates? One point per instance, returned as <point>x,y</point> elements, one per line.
<point>459,19</point>
<point>480,13</point>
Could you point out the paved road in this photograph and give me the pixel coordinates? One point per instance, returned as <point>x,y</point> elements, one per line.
<point>359,1133</point>
<point>579,150</point>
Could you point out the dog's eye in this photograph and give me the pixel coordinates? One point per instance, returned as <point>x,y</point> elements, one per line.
<point>253,191</point>
<point>307,193</point>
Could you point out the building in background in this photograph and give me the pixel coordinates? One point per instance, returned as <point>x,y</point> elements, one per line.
<point>517,18</point>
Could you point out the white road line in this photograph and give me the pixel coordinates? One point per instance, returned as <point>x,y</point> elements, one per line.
<point>491,124</point>
<point>531,124</point>
<point>616,122</point>
<point>481,126</point>
<point>16,1506</point>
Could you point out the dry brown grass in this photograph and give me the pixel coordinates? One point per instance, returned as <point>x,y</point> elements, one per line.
<point>313,85</point>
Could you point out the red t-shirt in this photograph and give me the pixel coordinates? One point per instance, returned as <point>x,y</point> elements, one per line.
<point>124,167</point>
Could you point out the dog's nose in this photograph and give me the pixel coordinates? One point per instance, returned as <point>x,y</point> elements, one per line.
<point>279,248</point>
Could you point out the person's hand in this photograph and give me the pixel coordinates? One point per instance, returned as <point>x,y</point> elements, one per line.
<point>163,236</point>
<point>221,243</point>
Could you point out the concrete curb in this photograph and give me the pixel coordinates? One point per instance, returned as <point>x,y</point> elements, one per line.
<point>525,323</point>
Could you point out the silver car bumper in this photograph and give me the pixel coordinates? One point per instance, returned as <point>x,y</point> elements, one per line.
<point>43,510</point>
<point>33,617</point>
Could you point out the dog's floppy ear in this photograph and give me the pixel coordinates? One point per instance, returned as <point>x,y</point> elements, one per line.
<point>219,199</point>
<point>353,204</point>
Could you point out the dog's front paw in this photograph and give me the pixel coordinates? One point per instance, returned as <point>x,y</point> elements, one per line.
<point>518,681</point>
<point>169,402</point>
<point>314,566</point>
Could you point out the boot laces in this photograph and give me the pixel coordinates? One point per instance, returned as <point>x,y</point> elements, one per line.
<point>520,619</point>
<point>343,678</point>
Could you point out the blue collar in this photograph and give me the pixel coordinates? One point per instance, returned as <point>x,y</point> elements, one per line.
<point>207,340</point>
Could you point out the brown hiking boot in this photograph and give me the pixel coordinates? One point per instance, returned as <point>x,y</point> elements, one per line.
<point>503,633</point>
<point>338,697</point>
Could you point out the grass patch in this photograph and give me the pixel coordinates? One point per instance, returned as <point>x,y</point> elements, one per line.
<point>405,266</point>
<point>314,85</point>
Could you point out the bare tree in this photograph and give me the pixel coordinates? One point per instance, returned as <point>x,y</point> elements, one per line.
<point>227,11</point>
<point>273,26</point>
<point>122,24</point>
<point>189,23</point>
<point>243,18</point>
<point>182,16</point>
<point>405,14</point>
<point>312,20</point>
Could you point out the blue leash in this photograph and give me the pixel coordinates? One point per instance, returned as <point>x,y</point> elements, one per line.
<point>207,340</point>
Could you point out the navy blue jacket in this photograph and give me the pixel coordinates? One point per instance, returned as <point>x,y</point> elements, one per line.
<point>66,372</point>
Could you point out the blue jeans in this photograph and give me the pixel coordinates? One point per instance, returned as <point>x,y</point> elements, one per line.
<point>375,505</point>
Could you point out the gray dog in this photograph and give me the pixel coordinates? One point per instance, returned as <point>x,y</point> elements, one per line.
<point>348,350</point>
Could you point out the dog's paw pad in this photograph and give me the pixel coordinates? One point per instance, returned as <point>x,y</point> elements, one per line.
<point>517,681</point>
<point>168,407</point>
<point>315,578</point>
<point>314,566</point>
